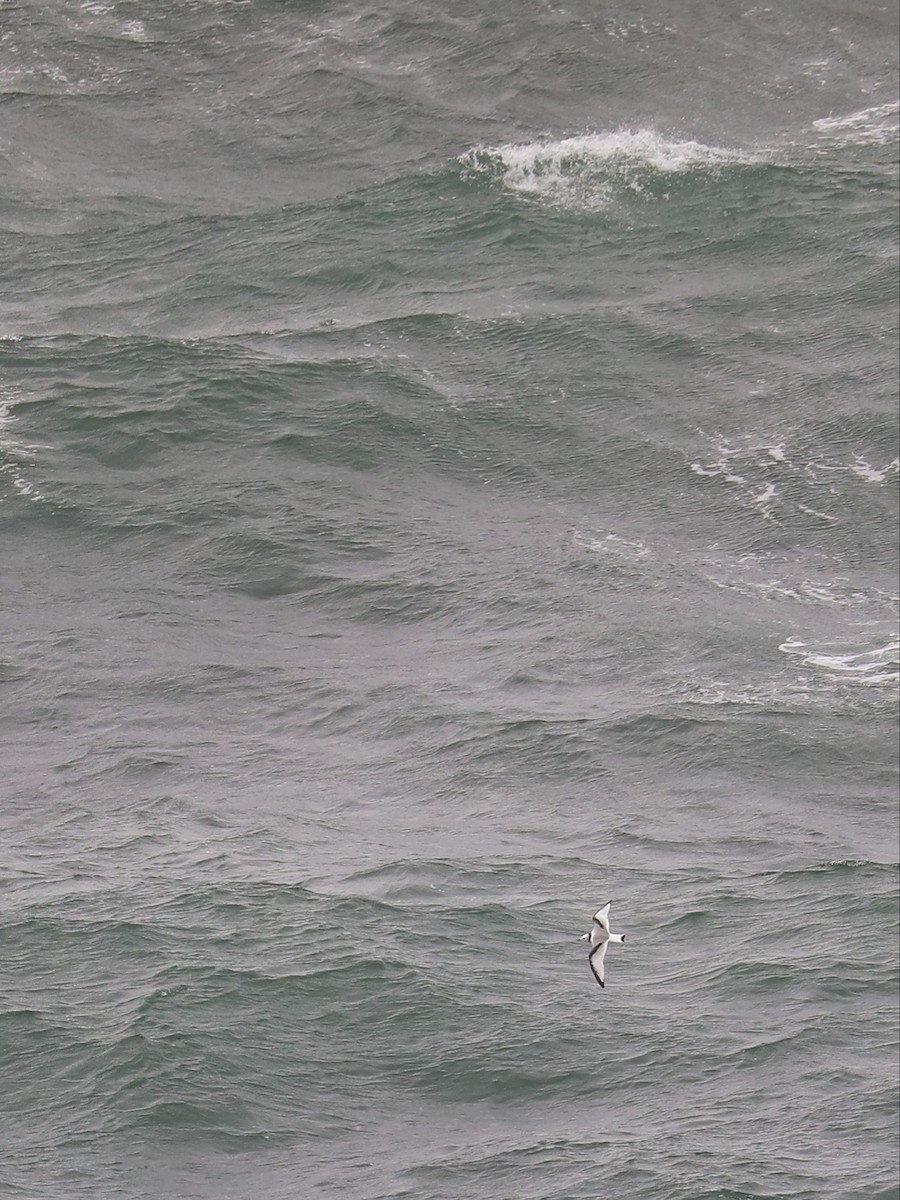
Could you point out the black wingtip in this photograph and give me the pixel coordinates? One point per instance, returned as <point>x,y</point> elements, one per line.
<point>600,981</point>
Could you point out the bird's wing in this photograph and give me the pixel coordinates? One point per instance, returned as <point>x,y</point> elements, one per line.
<point>602,916</point>
<point>595,961</point>
<point>599,934</point>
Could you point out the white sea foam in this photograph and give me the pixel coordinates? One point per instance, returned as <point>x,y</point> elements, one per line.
<point>15,455</point>
<point>586,170</point>
<point>754,469</point>
<point>721,466</point>
<point>817,513</point>
<point>876,125</point>
<point>640,28</point>
<point>826,673</point>
<point>858,466</point>
<point>101,16</point>
<point>753,577</point>
<point>875,665</point>
<point>135,31</point>
<point>764,499</point>
<point>872,474</point>
<point>611,544</point>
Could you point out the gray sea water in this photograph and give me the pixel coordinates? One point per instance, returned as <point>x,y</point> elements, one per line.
<point>448,481</point>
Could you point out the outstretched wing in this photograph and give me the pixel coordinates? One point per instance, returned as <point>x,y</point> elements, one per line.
<point>598,934</point>
<point>595,961</point>
<point>602,916</point>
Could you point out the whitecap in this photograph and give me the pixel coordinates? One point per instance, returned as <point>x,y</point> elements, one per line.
<point>611,544</point>
<point>721,466</point>
<point>755,467</point>
<point>750,579</point>
<point>135,31</point>
<point>869,126</point>
<point>815,512</point>
<point>15,455</point>
<point>858,466</point>
<point>587,169</point>
<point>871,665</point>
<point>769,492</point>
<point>865,470</point>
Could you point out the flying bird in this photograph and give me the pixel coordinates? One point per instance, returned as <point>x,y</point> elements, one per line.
<point>599,938</point>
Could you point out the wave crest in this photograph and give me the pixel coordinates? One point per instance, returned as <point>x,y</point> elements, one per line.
<point>874,126</point>
<point>587,169</point>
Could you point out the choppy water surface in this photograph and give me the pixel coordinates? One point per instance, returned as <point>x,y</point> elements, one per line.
<point>448,480</point>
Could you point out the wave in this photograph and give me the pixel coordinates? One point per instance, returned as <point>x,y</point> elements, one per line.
<point>876,125</point>
<point>587,170</point>
<point>840,867</point>
<point>16,456</point>
<point>787,482</point>
<point>867,665</point>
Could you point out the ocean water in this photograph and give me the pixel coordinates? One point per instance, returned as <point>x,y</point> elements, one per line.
<point>448,480</point>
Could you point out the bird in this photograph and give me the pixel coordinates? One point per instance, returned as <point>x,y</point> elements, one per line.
<point>599,937</point>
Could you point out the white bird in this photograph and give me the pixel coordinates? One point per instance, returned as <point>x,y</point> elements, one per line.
<point>599,938</point>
